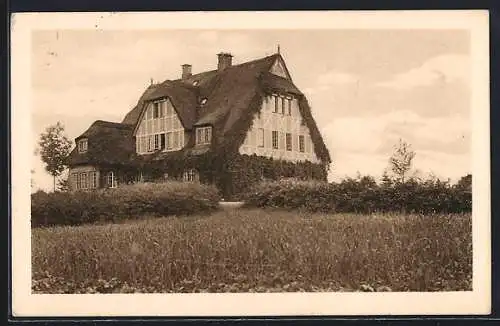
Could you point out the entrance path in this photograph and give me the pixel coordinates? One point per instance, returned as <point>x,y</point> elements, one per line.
<point>230,204</point>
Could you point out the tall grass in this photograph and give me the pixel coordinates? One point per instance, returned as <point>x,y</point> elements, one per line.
<point>257,250</point>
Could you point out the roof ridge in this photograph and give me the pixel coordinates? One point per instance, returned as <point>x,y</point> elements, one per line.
<point>232,66</point>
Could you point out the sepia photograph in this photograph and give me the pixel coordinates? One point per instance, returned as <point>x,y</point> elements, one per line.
<point>201,156</point>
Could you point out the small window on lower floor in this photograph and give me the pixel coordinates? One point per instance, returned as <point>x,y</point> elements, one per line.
<point>93,179</point>
<point>111,180</point>
<point>275,139</point>
<point>190,175</point>
<point>302,144</point>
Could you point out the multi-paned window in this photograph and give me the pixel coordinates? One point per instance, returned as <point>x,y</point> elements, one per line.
<point>276,104</point>
<point>160,129</point>
<point>84,180</point>
<point>283,104</point>
<point>203,135</point>
<point>93,179</point>
<point>190,175</point>
<point>83,145</point>
<point>302,144</point>
<point>275,139</point>
<point>288,140</point>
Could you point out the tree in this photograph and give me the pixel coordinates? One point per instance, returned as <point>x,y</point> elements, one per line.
<point>63,185</point>
<point>401,160</point>
<point>465,183</point>
<point>54,150</point>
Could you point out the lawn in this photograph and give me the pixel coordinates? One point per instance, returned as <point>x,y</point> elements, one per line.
<point>256,250</point>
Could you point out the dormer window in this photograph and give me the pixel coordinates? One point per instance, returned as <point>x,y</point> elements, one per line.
<point>203,135</point>
<point>82,145</point>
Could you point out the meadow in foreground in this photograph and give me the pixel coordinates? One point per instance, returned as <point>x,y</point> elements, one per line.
<point>257,250</point>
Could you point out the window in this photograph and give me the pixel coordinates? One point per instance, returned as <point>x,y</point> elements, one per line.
<point>275,139</point>
<point>84,180</point>
<point>302,145</point>
<point>283,101</point>
<point>149,113</point>
<point>289,106</point>
<point>203,135</point>
<point>260,137</point>
<point>156,110</point>
<point>111,182</point>
<point>82,145</point>
<point>93,179</point>
<point>156,141</point>
<point>276,104</point>
<point>203,101</point>
<point>162,141</point>
<point>288,142</point>
<point>190,175</point>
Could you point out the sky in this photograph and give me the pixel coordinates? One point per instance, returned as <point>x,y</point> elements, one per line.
<point>366,88</point>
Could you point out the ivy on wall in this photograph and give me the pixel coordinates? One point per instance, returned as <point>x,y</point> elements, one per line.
<point>232,173</point>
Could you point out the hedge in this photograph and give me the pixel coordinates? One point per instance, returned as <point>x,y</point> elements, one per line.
<point>125,202</point>
<point>363,195</point>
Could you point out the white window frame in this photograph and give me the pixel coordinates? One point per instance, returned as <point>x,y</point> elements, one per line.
<point>302,143</point>
<point>288,142</point>
<point>190,175</point>
<point>92,179</point>
<point>111,180</point>
<point>203,135</point>
<point>84,180</point>
<point>275,140</point>
<point>83,145</point>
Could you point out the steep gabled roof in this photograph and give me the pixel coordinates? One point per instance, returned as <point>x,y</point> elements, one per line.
<point>108,143</point>
<point>233,96</point>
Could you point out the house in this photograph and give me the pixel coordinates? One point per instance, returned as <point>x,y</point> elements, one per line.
<point>231,126</point>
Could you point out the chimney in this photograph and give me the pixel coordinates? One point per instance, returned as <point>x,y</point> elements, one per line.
<point>225,60</point>
<point>186,71</point>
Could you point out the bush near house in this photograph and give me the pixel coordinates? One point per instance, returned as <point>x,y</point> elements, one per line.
<point>363,195</point>
<point>125,202</point>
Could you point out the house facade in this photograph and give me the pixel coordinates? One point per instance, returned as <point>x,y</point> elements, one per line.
<point>231,126</point>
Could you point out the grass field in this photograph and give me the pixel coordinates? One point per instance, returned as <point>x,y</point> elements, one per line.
<point>257,251</point>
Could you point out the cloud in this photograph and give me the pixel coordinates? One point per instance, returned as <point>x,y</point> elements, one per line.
<point>364,143</point>
<point>447,68</point>
<point>327,81</point>
<point>336,77</point>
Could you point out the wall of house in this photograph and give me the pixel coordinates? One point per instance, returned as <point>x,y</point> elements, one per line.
<point>164,128</point>
<point>268,120</point>
<point>79,170</point>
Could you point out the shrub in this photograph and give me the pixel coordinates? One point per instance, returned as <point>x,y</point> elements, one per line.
<point>363,195</point>
<point>131,201</point>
